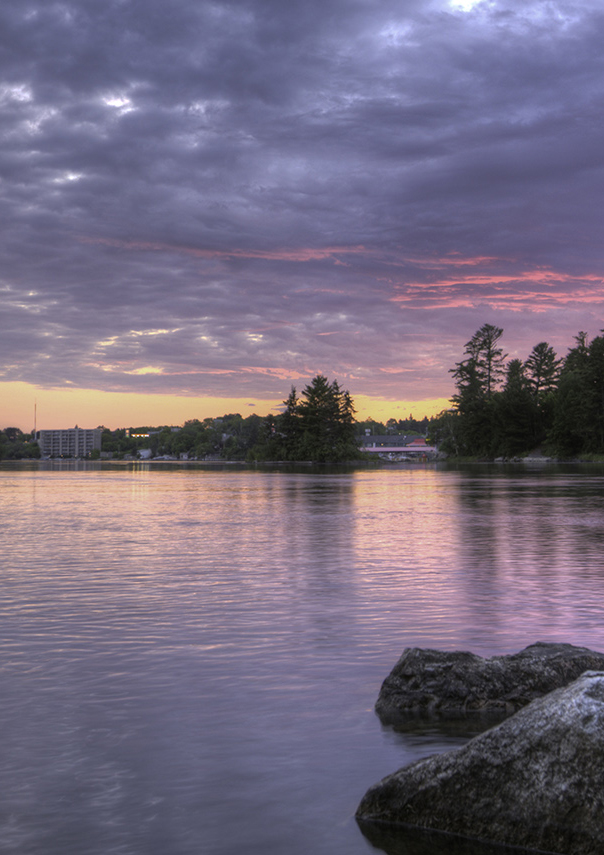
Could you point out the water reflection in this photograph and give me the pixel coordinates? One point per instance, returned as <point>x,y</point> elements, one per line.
<point>525,542</point>
<point>191,654</point>
<point>415,841</point>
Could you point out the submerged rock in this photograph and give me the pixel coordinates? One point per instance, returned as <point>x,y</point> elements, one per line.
<point>535,781</point>
<point>442,683</point>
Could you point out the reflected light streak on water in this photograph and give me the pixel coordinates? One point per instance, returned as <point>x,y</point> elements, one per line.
<point>191,657</point>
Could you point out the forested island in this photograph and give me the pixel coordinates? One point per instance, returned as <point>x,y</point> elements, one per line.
<point>501,408</point>
<point>318,425</point>
<point>507,408</point>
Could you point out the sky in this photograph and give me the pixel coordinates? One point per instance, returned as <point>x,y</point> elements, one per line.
<point>205,203</point>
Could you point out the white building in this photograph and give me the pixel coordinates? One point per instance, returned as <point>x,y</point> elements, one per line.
<point>72,442</point>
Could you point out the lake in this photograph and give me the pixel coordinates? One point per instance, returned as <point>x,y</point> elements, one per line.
<point>191,654</point>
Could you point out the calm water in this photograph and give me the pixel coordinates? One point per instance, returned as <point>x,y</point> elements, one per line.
<point>190,656</point>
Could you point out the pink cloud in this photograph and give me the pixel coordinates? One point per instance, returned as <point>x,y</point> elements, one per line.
<point>300,255</point>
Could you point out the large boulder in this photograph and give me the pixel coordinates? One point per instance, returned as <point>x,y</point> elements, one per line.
<point>426,841</point>
<point>431,682</point>
<point>535,781</point>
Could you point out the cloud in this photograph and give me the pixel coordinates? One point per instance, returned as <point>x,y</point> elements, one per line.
<point>228,197</point>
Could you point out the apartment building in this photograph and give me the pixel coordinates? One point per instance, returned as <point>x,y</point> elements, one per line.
<point>72,442</point>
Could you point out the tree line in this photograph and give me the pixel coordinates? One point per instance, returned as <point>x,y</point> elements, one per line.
<point>501,408</point>
<point>505,408</point>
<point>317,425</point>
<point>16,445</point>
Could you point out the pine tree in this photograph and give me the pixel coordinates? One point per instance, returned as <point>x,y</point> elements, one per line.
<point>326,419</point>
<point>595,396</point>
<point>542,369</point>
<point>489,359</point>
<point>569,434</point>
<point>476,378</point>
<point>289,427</point>
<point>516,412</point>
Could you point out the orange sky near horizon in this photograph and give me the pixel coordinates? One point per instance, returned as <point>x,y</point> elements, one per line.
<point>87,408</point>
<point>313,211</point>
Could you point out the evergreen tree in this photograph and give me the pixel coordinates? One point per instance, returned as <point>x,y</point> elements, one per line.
<point>544,400</point>
<point>268,445</point>
<point>476,378</point>
<point>474,428</point>
<point>577,357</point>
<point>346,442</point>
<point>594,405</point>
<point>516,412</point>
<point>570,428</point>
<point>444,432</point>
<point>289,427</point>
<point>326,422</point>
<point>542,369</point>
<point>487,357</point>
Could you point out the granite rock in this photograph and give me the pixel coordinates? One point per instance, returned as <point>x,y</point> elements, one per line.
<point>437,683</point>
<point>534,781</point>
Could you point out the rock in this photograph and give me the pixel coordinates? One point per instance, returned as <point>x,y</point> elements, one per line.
<point>422,841</point>
<point>535,781</point>
<point>432,682</point>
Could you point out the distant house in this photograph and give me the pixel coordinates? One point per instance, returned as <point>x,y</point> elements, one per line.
<point>71,442</point>
<point>394,447</point>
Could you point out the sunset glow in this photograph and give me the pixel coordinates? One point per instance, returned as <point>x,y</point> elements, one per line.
<point>59,408</point>
<point>354,193</point>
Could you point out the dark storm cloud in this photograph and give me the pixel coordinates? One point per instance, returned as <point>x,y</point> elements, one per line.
<point>226,197</point>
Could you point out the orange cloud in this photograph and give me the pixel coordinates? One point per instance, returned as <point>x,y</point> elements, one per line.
<point>450,290</point>
<point>484,283</point>
<point>302,254</point>
<point>453,260</point>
